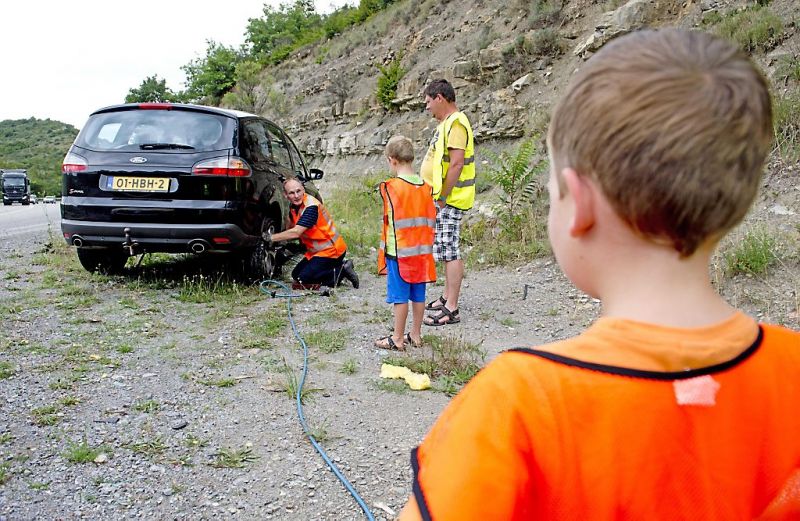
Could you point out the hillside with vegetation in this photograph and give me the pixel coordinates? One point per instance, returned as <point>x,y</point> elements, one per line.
<point>39,147</point>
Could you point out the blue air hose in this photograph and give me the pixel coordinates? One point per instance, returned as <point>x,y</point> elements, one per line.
<point>289,296</point>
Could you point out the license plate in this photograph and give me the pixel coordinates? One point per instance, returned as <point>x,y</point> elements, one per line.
<point>139,184</point>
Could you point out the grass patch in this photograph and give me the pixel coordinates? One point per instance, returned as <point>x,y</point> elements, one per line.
<point>124,349</point>
<point>291,385</point>
<point>753,254</point>
<point>391,386</point>
<point>6,370</point>
<point>5,473</point>
<point>219,382</point>
<point>359,210</point>
<point>82,452</point>
<point>786,122</point>
<point>152,447</point>
<point>450,361</point>
<point>756,29</point>
<point>193,442</point>
<point>69,401</point>
<point>233,458</point>
<point>6,437</point>
<point>203,289</point>
<point>328,341</point>
<point>46,415</point>
<point>349,366</point>
<point>146,406</point>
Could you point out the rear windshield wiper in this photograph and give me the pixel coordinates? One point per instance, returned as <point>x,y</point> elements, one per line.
<point>162,146</point>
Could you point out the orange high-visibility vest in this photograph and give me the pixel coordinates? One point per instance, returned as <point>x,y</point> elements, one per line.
<point>413,219</point>
<point>538,435</point>
<point>322,239</point>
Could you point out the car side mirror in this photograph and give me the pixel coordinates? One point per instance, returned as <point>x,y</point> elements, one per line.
<point>315,174</point>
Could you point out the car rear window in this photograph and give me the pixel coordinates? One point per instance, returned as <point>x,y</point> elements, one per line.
<point>163,130</point>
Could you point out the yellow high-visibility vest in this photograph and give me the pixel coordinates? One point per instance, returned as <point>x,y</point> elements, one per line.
<point>463,194</point>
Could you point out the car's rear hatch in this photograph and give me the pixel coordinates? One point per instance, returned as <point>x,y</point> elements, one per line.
<point>153,163</point>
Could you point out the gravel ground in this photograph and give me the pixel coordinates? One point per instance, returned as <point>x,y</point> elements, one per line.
<point>160,386</point>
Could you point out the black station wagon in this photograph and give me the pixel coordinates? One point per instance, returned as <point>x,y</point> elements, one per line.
<point>163,177</point>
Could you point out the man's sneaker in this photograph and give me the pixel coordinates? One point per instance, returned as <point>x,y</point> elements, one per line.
<point>349,273</point>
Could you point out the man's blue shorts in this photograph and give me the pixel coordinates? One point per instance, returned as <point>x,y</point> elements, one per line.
<point>399,291</point>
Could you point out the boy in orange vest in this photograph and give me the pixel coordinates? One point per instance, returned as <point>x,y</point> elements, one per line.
<point>672,405</point>
<point>406,250</point>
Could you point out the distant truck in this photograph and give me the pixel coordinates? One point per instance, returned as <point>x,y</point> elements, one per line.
<point>16,187</point>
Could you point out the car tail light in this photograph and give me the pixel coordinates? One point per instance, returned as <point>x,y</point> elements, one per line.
<point>228,166</point>
<point>73,163</point>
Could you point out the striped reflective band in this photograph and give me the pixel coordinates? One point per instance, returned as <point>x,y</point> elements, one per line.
<point>414,250</point>
<point>467,160</point>
<point>414,221</point>
<point>317,246</point>
<point>468,182</point>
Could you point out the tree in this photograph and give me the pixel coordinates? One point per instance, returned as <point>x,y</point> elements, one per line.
<point>280,31</point>
<point>210,77</point>
<point>152,90</point>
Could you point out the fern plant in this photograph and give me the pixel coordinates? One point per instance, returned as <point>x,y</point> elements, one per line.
<point>516,174</point>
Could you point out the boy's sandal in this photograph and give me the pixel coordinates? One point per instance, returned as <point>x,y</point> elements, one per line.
<point>411,341</point>
<point>436,304</point>
<point>387,342</point>
<point>436,320</point>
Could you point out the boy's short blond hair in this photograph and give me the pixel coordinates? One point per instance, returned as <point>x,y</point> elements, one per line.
<point>400,148</point>
<point>674,126</point>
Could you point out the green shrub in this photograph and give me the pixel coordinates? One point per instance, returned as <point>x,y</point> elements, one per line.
<point>788,68</point>
<point>755,29</point>
<point>753,254</point>
<point>388,80</point>
<point>786,122</point>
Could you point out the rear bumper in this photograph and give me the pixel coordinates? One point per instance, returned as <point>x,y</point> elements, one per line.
<point>168,238</point>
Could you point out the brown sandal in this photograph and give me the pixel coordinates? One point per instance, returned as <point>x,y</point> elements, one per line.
<point>436,320</point>
<point>387,342</point>
<point>411,341</point>
<point>437,304</point>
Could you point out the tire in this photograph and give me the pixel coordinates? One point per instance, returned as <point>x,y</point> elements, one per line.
<point>260,260</point>
<point>105,260</point>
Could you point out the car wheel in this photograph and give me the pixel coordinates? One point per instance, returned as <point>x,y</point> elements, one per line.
<point>103,260</point>
<point>261,261</point>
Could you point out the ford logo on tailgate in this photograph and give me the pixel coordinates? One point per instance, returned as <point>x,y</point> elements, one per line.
<point>138,159</point>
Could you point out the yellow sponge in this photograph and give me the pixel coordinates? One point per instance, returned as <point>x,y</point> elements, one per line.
<point>415,381</point>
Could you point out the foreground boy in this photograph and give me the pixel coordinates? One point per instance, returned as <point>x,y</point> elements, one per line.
<point>406,251</point>
<point>673,405</point>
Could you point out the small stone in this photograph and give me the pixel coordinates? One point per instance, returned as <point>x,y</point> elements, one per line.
<point>178,424</point>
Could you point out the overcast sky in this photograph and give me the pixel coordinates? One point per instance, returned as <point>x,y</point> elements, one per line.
<point>63,59</point>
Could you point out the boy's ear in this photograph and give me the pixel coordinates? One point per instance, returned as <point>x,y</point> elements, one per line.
<point>582,192</point>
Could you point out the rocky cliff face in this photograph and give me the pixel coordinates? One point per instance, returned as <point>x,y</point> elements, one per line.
<point>507,62</point>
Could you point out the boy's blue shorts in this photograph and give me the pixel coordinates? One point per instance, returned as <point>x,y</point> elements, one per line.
<point>399,291</point>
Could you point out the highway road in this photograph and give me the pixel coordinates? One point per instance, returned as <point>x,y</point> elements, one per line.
<point>19,224</point>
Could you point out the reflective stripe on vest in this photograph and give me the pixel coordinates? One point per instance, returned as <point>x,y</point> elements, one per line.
<point>414,221</point>
<point>414,250</point>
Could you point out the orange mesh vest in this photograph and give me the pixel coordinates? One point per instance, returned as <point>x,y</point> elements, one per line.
<point>413,221</point>
<point>322,239</point>
<point>537,435</point>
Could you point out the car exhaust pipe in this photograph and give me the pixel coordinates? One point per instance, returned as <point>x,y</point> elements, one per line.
<point>198,246</point>
<point>77,241</point>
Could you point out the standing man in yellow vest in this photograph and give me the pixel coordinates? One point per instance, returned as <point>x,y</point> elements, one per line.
<point>449,167</point>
